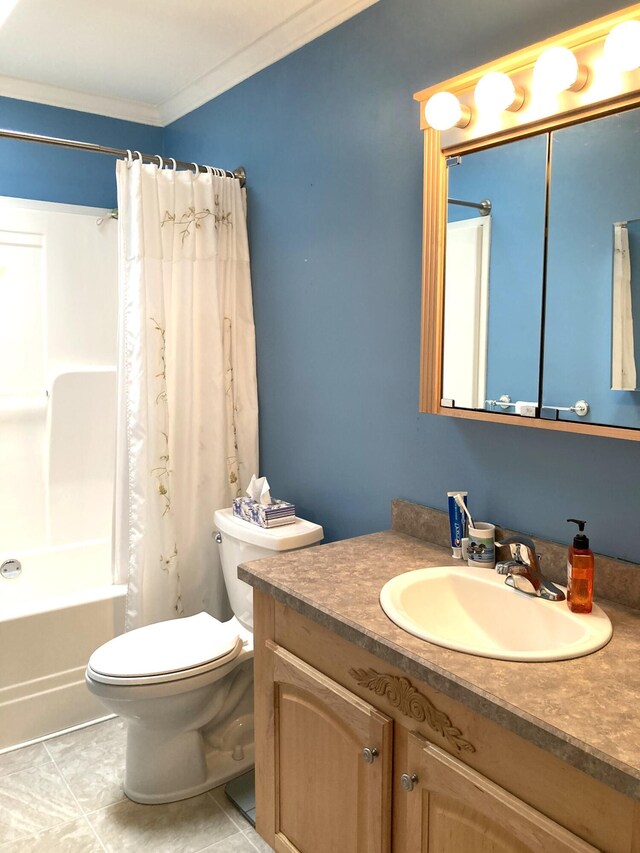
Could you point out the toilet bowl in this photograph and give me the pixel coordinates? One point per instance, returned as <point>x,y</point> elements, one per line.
<point>185,686</point>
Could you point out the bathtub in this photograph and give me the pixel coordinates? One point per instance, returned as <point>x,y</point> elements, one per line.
<point>52,616</point>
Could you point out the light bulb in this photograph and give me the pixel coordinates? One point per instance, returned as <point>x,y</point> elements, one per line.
<point>444,111</point>
<point>496,92</point>
<point>622,47</point>
<point>556,70</point>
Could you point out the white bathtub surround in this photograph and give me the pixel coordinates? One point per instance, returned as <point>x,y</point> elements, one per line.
<point>58,325</point>
<point>81,453</point>
<point>187,416</point>
<point>58,309</point>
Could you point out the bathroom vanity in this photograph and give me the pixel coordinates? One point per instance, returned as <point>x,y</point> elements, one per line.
<point>370,739</point>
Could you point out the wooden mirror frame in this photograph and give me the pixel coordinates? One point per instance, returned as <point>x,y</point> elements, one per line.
<point>602,95</point>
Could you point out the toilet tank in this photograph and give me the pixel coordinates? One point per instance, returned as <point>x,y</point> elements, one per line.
<point>242,541</point>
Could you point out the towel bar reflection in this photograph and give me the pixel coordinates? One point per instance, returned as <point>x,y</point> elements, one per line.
<point>504,402</point>
<point>483,206</point>
<point>581,408</point>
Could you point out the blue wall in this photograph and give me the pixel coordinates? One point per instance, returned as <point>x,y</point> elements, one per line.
<point>329,136</point>
<point>43,172</point>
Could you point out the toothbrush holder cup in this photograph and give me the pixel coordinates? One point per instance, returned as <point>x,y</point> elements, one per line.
<point>479,547</point>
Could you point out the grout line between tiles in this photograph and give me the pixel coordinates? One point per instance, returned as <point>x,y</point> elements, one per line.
<point>77,802</point>
<point>95,832</point>
<point>5,845</point>
<point>27,769</point>
<point>222,809</point>
<point>55,825</point>
<point>252,844</point>
<point>241,830</point>
<point>208,846</point>
<point>16,747</point>
<point>240,826</point>
<point>211,796</point>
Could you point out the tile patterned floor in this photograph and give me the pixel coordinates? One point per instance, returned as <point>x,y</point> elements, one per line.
<point>65,796</point>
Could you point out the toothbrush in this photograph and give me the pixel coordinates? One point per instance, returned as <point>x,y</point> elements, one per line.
<point>460,501</point>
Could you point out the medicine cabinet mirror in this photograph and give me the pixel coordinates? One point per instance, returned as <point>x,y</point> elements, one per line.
<point>531,291</point>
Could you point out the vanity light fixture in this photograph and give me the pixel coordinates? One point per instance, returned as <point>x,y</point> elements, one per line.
<point>496,92</point>
<point>622,47</point>
<point>443,111</point>
<point>557,70</point>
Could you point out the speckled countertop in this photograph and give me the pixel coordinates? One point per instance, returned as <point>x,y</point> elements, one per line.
<point>585,711</point>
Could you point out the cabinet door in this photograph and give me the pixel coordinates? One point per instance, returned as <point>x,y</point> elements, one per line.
<point>452,808</point>
<point>331,756</point>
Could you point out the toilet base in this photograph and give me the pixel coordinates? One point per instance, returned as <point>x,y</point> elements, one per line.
<point>181,770</point>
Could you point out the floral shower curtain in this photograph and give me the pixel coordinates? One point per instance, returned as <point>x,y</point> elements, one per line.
<point>187,440</point>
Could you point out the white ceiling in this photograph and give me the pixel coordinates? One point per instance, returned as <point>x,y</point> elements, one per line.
<point>151,61</point>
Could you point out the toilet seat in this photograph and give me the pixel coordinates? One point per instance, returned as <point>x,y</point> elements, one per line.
<point>166,651</point>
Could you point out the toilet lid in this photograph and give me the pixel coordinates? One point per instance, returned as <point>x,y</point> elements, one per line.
<point>165,648</point>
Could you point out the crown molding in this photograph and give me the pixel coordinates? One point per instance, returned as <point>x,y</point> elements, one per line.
<point>42,93</point>
<point>298,30</point>
<point>301,28</point>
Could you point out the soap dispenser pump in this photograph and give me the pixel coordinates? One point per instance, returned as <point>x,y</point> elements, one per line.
<point>580,565</point>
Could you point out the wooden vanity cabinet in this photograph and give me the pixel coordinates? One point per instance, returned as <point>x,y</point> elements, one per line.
<point>448,807</point>
<point>354,757</point>
<point>332,756</point>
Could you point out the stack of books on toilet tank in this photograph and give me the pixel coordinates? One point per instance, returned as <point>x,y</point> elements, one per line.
<point>266,515</point>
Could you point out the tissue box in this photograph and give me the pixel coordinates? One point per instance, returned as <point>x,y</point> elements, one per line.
<point>266,515</point>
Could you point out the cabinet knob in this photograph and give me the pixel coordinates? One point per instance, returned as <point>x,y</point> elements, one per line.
<point>408,781</point>
<point>369,754</point>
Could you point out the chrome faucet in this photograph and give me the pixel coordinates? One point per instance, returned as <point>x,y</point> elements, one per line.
<point>523,569</point>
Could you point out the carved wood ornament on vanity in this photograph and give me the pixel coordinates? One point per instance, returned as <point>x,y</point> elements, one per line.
<point>401,694</point>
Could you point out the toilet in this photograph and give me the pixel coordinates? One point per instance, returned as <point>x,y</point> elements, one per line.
<point>185,686</point>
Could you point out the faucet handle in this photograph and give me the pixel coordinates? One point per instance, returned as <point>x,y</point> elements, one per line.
<point>518,540</point>
<point>530,558</point>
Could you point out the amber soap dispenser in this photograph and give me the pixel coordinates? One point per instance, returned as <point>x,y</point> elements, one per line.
<point>580,564</point>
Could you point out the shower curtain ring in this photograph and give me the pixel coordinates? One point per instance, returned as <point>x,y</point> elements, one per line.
<point>174,168</point>
<point>139,155</point>
<point>129,160</point>
<point>160,161</point>
<point>196,170</point>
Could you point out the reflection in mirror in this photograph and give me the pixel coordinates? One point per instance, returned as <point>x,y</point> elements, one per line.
<point>595,182</point>
<point>493,281</point>
<point>625,306</point>
<point>466,311</point>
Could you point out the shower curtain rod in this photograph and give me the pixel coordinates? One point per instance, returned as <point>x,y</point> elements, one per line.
<point>238,173</point>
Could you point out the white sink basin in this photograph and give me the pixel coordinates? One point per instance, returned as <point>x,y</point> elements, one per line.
<point>471,610</point>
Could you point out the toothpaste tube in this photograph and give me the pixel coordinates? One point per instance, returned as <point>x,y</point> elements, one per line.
<point>457,523</point>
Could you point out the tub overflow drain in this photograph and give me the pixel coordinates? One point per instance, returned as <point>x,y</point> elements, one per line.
<point>10,569</point>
